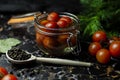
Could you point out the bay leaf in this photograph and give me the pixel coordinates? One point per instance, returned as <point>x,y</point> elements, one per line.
<point>6,44</point>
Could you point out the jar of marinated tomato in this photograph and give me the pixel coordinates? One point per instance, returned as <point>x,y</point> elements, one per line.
<point>57,33</point>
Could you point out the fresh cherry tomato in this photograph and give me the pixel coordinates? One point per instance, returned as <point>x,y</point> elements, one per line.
<point>3,71</point>
<point>9,77</point>
<point>103,56</point>
<point>94,47</point>
<point>114,49</point>
<point>51,25</point>
<point>99,36</point>
<point>44,22</point>
<point>62,24</point>
<point>67,19</point>
<point>53,16</point>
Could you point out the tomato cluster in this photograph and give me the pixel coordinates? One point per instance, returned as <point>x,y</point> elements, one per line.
<point>103,48</point>
<point>4,75</point>
<point>53,20</point>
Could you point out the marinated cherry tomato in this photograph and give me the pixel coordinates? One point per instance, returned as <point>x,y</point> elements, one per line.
<point>9,77</point>
<point>39,38</point>
<point>103,56</point>
<point>63,39</point>
<point>3,70</point>
<point>44,22</point>
<point>99,36</point>
<point>73,40</point>
<point>53,16</point>
<point>114,49</point>
<point>67,19</point>
<point>51,25</point>
<point>50,43</point>
<point>94,47</point>
<point>62,24</point>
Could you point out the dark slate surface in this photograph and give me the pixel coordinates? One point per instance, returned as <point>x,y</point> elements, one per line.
<point>42,71</point>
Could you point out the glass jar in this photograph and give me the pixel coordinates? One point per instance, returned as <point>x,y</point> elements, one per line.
<point>57,41</point>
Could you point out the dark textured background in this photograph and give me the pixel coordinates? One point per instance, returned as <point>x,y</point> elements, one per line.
<point>48,71</point>
<point>15,6</point>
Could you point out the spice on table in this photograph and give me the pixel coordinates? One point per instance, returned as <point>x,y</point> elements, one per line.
<point>18,54</point>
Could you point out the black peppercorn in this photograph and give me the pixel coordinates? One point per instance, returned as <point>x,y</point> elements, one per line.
<point>18,54</point>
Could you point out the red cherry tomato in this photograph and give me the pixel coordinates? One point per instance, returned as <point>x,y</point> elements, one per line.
<point>9,77</point>
<point>62,24</point>
<point>99,36</point>
<point>94,47</point>
<point>51,25</point>
<point>53,16</point>
<point>103,56</point>
<point>115,49</point>
<point>67,19</point>
<point>3,71</point>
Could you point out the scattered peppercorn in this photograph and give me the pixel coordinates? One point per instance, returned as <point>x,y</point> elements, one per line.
<point>18,54</point>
